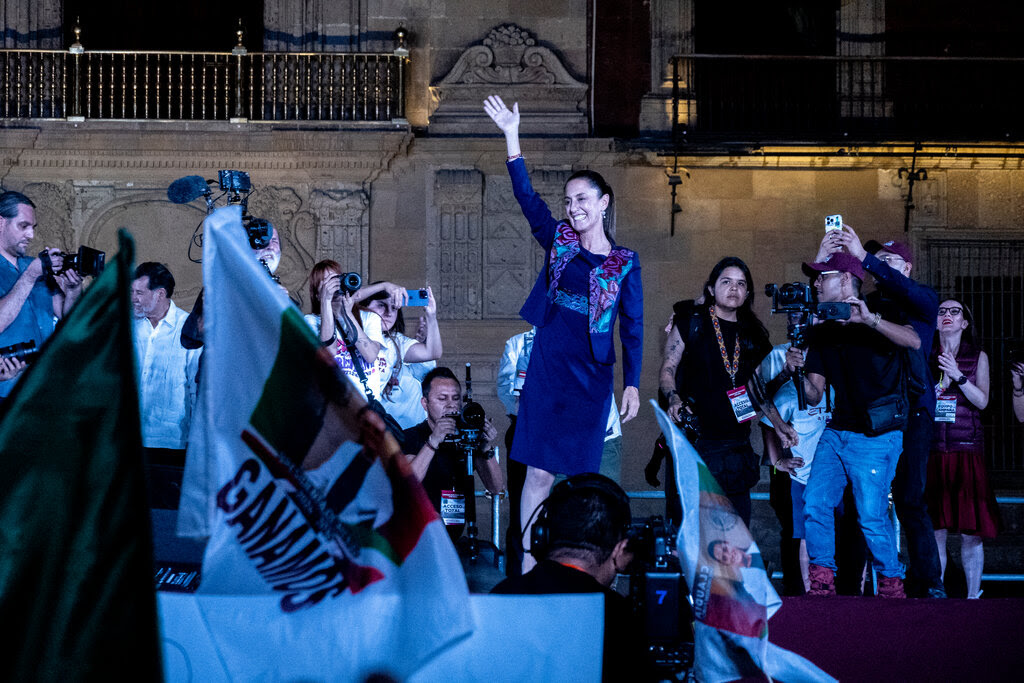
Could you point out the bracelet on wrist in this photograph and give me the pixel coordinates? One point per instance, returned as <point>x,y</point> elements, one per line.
<point>430,445</point>
<point>875,320</point>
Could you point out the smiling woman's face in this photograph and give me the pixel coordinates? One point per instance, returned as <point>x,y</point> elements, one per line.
<point>951,316</point>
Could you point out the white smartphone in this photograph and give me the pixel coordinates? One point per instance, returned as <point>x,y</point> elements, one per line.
<point>834,222</point>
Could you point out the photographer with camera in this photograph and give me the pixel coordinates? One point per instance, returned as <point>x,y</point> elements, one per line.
<point>711,353</point>
<point>29,300</point>
<point>439,447</point>
<point>580,540</point>
<point>791,466</point>
<point>863,360</point>
<point>890,264</point>
<point>333,295</point>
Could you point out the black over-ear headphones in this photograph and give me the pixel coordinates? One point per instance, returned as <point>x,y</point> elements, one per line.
<point>540,533</point>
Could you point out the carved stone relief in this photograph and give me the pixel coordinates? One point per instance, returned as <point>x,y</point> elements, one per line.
<point>53,215</point>
<point>455,242</point>
<point>342,227</point>
<point>551,99</point>
<point>162,231</point>
<point>512,258</point>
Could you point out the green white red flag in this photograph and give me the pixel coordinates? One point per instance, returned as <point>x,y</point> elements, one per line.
<point>731,593</point>
<point>311,500</point>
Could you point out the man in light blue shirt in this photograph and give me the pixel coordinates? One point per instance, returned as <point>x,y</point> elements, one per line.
<point>29,307</point>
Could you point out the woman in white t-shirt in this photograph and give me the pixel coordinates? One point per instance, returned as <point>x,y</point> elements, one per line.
<point>324,286</point>
<point>405,358</point>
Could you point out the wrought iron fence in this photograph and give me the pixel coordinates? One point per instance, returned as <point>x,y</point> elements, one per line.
<point>824,98</point>
<point>257,86</point>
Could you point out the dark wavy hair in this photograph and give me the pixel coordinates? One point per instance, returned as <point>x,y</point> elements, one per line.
<point>751,327</point>
<point>9,202</point>
<point>598,182</point>
<point>968,337</point>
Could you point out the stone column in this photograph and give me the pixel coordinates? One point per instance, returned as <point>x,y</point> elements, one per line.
<point>671,36</point>
<point>314,25</point>
<point>861,82</point>
<point>455,243</point>
<point>34,24</point>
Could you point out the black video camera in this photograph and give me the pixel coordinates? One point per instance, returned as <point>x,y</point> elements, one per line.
<point>86,261</point>
<point>469,424</point>
<point>258,231</point>
<point>23,351</point>
<point>798,297</point>
<point>658,596</point>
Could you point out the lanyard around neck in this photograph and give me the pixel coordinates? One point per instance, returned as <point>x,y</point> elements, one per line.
<point>733,367</point>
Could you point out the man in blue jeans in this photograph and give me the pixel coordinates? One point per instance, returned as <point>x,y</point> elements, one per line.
<point>890,263</point>
<point>861,359</point>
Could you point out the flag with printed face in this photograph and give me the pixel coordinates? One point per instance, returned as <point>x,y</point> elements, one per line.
<point>732,595</point>
<point>313,500</point>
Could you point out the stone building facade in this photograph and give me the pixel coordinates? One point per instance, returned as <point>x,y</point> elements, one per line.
<point>426,200</point>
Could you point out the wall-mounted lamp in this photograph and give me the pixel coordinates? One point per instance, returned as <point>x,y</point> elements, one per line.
<point>401,37</point>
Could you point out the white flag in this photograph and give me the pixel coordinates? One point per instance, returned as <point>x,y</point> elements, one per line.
<point>732,595</point>
<point>313,501</point>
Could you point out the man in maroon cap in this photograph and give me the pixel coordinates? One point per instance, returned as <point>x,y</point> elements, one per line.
<point>862,359</point>
<point>890,263</point>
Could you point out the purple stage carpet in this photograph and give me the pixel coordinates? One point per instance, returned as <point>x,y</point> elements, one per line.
<point>872,639</point>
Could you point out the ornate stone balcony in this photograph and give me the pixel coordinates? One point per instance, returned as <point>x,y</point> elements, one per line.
<point>363,88</point>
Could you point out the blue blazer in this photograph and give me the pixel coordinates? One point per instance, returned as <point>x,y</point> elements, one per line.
<point>615,287</point>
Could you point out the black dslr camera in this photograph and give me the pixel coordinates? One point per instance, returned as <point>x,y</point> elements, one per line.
<point>23,351</point>
<point>658,596</point>
<point>86,261</point>
<point>350,282</point>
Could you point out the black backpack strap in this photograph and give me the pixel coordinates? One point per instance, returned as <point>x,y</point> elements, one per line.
<point>686,317</point>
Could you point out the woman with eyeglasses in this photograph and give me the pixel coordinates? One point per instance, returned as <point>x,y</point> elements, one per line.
<point>958,493</point>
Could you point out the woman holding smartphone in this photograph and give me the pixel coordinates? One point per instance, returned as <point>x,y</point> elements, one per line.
<point>406,359</point>
<point>332,305</point>
<point>588,281</point>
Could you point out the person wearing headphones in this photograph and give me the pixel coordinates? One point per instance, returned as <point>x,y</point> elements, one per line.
<point>580,540</point>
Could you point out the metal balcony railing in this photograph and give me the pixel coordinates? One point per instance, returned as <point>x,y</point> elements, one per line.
<point>823,98</point>
<point>192,86</point>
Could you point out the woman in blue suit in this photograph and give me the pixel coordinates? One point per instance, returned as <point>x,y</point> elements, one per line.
<point>586,283</point>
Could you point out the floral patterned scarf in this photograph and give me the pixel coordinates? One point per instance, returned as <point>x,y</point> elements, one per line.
<point>605,280</point>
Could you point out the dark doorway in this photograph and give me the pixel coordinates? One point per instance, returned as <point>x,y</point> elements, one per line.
<point>187,25</point>
<point>622,65</point>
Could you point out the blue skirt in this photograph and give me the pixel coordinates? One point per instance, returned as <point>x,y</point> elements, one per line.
<point>564,403</point>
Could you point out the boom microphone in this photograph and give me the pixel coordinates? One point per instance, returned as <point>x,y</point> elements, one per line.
<point>184,190</point>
